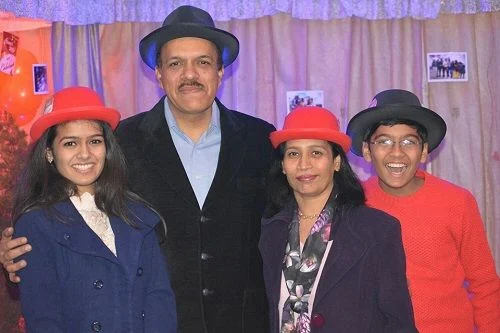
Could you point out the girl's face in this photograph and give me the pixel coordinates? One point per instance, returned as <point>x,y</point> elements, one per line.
<point>79,153</point>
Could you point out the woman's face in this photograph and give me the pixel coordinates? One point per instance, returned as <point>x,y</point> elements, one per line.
<point>309,166</point>
<point>79,153</point>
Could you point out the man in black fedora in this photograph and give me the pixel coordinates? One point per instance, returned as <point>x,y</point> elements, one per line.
<point>203,167</point>
<point>450,270</point>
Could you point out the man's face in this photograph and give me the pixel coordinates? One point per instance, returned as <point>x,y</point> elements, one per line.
<point>396,165</point>
<point>189,74</point>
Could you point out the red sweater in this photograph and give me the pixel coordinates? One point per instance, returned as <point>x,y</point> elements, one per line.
<point>446,248</point>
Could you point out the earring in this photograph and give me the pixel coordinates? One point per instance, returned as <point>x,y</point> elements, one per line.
<point>283,172</point>
<point>50,159</point>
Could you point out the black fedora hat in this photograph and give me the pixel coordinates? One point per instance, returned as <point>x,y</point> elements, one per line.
<point>188,21</point>
<point>395,104</point>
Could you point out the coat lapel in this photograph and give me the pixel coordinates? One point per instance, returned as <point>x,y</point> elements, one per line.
<point>347,249</point>
<point>231,154</point>
<point>128,243</point>
<point>272,246</point>
<point>162,156</point>
<point>77,235</point>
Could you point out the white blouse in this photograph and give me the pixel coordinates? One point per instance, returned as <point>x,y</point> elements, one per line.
<point>96,219</point>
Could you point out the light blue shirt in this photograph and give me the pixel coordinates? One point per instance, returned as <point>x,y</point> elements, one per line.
<point>198,158</point>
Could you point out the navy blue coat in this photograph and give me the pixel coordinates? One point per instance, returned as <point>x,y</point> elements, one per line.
<point>363,286</point>
<point>74,283</point>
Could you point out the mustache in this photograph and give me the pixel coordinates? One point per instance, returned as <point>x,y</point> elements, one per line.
<point>193,83</point>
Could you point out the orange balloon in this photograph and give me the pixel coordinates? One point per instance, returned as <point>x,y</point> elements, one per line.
<point>4,79</point>
<point>16,91</point>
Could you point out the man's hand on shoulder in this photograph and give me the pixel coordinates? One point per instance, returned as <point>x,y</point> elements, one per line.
<point>11,249</point>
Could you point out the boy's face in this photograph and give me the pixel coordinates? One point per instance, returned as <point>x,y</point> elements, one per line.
<point>396,165</point>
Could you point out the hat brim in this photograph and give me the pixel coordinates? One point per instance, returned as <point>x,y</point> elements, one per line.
<point>227,43</point>
<point>360,123</point>
<point>278,137</point>
<point>108,115</point>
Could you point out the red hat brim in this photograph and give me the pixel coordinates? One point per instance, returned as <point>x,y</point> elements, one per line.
<point>108,115</point>
<point>278,137</point>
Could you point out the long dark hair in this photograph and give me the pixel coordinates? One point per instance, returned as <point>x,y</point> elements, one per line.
<point>347,190</point>
<point>41,185</point>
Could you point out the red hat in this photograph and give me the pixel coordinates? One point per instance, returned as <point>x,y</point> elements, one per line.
<point>311,122</point>
<point>75,103</point>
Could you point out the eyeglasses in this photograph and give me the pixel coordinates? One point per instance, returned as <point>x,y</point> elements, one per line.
<point>405,144</point>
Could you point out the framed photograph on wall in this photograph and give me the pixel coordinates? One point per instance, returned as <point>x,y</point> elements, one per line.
<point>8,53</point>
<point>303,98</point>
<point>40,85</point>
<point>447,67</point>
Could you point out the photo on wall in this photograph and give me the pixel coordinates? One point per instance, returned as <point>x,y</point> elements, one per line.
<point>304,98</point>
<point>40,85</point>
<point>8,53</point>
<point>447,67</point>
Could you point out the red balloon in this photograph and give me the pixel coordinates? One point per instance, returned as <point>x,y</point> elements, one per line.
<point>16,90</point>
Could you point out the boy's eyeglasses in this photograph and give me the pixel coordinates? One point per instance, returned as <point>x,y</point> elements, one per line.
<point>405,144</point>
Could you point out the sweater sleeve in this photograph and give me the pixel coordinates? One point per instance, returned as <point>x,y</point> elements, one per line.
<point>40,295</point>
<point>479,267</point>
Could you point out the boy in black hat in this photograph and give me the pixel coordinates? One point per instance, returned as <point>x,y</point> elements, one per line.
<point>203,167</point>
<point>450,269</point>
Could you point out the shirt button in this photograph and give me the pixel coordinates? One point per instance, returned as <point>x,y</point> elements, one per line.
<point>317,320</point>
<point>207,292</point>
<point>98,284</point>
<point>96,326</point>
<point>140,271</point>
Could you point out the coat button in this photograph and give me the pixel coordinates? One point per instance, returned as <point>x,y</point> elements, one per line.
<point>207,292</point>
<point>143,315</point>
<point>96,326</point>
<point>317,320</point>
<point>98,284</point>
<point>140,271</point>
<point>205,256</point>
<point>67,236</point>
<point>204,219</point>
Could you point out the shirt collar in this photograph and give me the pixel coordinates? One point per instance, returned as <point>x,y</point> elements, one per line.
<point>214,126</point>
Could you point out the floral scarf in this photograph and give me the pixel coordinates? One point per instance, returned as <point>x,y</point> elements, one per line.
<point>300,269</point>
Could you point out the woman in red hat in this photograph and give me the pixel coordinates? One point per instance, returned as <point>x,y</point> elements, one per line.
<point>331,264</point>
<point>95,264</point>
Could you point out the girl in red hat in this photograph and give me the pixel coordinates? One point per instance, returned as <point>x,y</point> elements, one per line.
<point>95,263</point>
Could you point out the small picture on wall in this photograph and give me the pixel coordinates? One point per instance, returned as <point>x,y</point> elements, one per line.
<point>303,98</point>
<point>8,53</point>
<point>40,85</point>
<point>447,67</point>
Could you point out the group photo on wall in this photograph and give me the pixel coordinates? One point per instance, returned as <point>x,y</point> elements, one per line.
<point>226,166</point>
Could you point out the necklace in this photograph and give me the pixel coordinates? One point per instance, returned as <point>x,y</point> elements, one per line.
<point>307,217</point>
